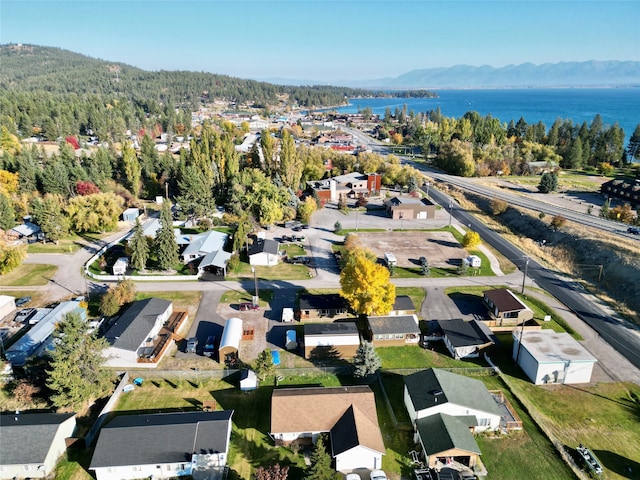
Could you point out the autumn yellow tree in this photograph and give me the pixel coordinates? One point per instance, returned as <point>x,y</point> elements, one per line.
<point>365,284</point>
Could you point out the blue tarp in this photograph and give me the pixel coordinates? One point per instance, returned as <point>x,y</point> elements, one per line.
<point>138,381</point>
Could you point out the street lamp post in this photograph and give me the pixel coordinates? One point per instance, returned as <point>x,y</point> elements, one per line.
<point>427,184</point>
<point>524,277</point>
<point>450,211</point>
<point>256,297</point>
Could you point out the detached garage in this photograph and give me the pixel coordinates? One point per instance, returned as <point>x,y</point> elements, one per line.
<point>550,357</point>
<point>231,336</point>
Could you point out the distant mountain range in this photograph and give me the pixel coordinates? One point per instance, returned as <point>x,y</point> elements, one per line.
<point>547,75</point>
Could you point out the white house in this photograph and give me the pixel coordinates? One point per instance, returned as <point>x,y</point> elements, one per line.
<point>264,252</point>
<point>134,333</point>
<point>32,443</point>
<point>550,357</point>
<point>433,391</point>
<point>162,445</point>
<point>348,414</point>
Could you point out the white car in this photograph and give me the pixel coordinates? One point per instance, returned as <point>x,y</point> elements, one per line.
<point>352,476</point>
<point>378,475</point>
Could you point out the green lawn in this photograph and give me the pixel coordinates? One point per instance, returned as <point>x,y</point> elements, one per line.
<point>282,271</point>
<point>180,299</point>
<point>68,244</point>
<point>29,274</point>
<point>238,296</point>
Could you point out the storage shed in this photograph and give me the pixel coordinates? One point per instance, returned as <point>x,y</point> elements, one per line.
<point>130,214</point>
<point>120,266</point>
<point>7,305</point>
<point>231,336</point>
<point>248,380</point>
<point>550,357</point>
<point>291,342</point>
<point>472,261</point>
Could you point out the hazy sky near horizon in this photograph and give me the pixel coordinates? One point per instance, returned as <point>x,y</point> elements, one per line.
<point>327,40</point>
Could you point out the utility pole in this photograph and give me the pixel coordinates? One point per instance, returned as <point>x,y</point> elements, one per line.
<point>526,268</point>
<point>256,298</point>
<point>450,211</point>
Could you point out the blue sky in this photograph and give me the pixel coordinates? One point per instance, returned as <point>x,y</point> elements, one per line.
<point>327,40</point>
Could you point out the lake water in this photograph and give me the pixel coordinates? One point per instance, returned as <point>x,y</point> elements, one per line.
<point>620,105</point>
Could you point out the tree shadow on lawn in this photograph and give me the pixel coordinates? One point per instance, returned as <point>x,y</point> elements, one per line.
<point>623,466</point>
<point>251,408</point>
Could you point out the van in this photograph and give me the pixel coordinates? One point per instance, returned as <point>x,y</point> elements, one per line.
<point>192,345</point>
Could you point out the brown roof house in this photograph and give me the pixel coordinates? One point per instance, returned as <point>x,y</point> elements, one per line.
<point>410,208</point>
<point>347,414</point>
<point>505,309</point>
<point>393,330</point>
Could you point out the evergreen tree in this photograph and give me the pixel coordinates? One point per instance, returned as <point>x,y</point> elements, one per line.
<point>7,213</point>
<point>75,374</point>
<point>166,246</point>
<point>139,248</point>
<point>548,182</point>
<point>367,362</point>
<point>320,467</point>
<point>633,147</point>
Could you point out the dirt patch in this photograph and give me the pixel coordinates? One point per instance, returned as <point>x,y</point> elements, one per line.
<point>440,248</point>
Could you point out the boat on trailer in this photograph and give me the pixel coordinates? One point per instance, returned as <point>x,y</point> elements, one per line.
<point>590,459</point>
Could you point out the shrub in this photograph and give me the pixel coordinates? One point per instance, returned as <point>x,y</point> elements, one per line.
<point>498,206</point>
<point>557,221</point>
<point>471,239</point>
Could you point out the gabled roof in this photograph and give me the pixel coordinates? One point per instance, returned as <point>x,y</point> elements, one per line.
<point>27,437</point>
<point>431,387</point>
<point>338,328</point>
<point>219,259</point>
<point>264,246</point>
<point>442,432</point>
<point>403,302</point>
<point>329,301</point>
<point>135,323</point>
<point>355,429</point>
<point>321,409</point>
<point>161,438</point>
<point>505,300</point>
<point>207,242</point>
<point>394,324</point>
<point>466,334</point>
<point>26,229</point>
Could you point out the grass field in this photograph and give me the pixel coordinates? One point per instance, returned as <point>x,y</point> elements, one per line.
<point>29,274</point>
<point>281,271</point>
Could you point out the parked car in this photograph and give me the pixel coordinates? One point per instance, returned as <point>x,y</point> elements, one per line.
<point>210,346</point>
<point>22,301</point>
<point>245,306</point>
<point>352,476</point>
<point>633,230</point>
<point>378,475</point>
<point>24,315</point>
<point>192,345</point>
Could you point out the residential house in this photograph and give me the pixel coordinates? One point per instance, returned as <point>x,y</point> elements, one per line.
<point>327,307</point>
<point>32,443</point>
<point>350,185</point>
<point>340,339</point>
<point>264,252</point>
<point>446,439</point>
<point>393,330</point>
<point>136,333</point>
<point>38,338</point>
<point>163,445</point>
<point>347,414</point>
<point>550,357</point>
<point>207,251</point>
<point>465,339</point>
<point>505,309</point>
<point>410,208</point>
<point>433,391</point>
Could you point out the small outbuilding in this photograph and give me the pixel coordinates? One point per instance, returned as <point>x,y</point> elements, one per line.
<point>120,266</point>
<point>291,342</point>
<point>130,215</point>
<point>248,380</point>
<point>231,336</point>
<point>472,261</point>
<point>550,357</point>
<point>7,305</point>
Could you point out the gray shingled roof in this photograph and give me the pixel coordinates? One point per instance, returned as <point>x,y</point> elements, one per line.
<point>135,323</point>
<point>26,437</point>
<point>266,246</point>
<point>393,324</point>
<point>403,302</point>
<point>161,438</point>
<point>339,328</point>
<point>433,386</point>
<point>328,301</point>
<point>466,334</point>
<point>442,432</point>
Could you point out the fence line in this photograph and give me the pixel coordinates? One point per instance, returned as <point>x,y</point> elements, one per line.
<point>104,413</point>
